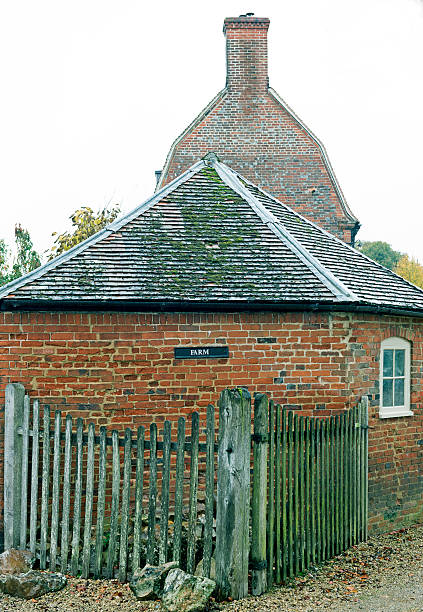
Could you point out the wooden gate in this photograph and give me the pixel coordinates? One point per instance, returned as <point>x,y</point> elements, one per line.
<point>309,498</point>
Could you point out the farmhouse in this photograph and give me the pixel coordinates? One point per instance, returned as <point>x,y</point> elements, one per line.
<point>255,132</point>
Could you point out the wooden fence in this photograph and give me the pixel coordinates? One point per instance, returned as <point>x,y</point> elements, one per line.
<point>309,489</point>
<point>104,505</point>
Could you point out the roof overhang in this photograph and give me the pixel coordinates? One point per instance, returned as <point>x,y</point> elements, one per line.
<point>12,305</point>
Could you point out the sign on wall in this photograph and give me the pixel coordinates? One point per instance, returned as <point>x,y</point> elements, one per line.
<point>201,352</point>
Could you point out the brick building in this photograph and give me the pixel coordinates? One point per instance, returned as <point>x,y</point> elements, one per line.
<point>211,260</point>
<point>256,133</point>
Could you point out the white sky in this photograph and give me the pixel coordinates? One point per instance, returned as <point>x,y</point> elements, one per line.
<point>93,93</point>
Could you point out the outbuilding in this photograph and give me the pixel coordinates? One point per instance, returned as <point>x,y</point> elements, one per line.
<point>214,283</point>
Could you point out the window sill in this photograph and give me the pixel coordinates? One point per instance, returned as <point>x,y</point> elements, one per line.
<point>391,415</point>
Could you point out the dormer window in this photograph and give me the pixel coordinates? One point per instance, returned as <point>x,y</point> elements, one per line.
<point>395,378</point>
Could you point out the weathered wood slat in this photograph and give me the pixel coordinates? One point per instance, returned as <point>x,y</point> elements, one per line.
<point>358,481</point>
<point>111,550</point>
<point>351,474</point>
<point>101,499</point>
<point>365,464</point>
<point>209,493</point>
<point>76,532</point>
<point>24,483</point>
<point>139,489</point>
<point>332,485</point>
<point>296,495</point>
<point>89,486</point>
<point>284,491</point>
<point>152,497</point>
<point>55,492</point>
<point>45,487</point>
<point>354,476</point>
<point>323,429</point>
<point>290,450</point>
<point>193,485</point>
<point>301,484</point>
<point>327,481</point>
<point>64,543</point>
<point>34,476</point>
<point>123,553</point>
<point>12,463</point>
<point>271,496</point>
<point>345,479</point>
<point>259,558</point>
<point>313,539</point>
<point>278,500</point>
<point>164,509</point>
<point>179,484</point>
<point>337,485</point>
<point>318,484</point>
<point>307,508</point>
<point>342,505</point>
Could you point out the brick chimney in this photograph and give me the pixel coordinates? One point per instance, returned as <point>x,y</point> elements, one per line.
<point>246,54</point>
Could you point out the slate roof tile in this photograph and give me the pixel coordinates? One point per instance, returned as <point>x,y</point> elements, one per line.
<point>210,236</point>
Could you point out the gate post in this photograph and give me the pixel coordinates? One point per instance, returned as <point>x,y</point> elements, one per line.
<point>13,419</point>
<point>233,493</point>
<point>259,501</point>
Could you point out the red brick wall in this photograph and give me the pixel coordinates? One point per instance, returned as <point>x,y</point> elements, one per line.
<point>255,135</point>
<point>118,369</point>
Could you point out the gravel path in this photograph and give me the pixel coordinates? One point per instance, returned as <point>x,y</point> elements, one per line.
<point>383,575</point>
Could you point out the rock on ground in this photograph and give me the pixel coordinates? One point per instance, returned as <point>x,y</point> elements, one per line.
<point>147,583</point>
<point>184,592</point>
<point>31,584</point>
<point>13,561</point>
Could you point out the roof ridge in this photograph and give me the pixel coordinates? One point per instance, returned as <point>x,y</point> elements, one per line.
<point>324,231</point>
<point>334,284</point>
<point>103,233</point>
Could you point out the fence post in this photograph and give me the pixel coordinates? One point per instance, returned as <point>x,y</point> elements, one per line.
<point>233,493</point>
<point>13,419</point>
<point>259,501</point>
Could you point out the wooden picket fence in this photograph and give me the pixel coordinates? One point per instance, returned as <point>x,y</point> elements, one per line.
<point>314,481</point>
<point>96,491</point>
<point>104,505</point>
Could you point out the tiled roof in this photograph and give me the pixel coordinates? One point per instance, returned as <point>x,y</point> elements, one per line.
<point>212,237</point>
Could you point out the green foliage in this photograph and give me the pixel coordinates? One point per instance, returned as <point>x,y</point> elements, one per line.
<point>26,259</point>
<point>382,252</point>
<point>85,223</point>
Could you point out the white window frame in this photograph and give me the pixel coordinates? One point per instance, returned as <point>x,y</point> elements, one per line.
<point>386,412</point>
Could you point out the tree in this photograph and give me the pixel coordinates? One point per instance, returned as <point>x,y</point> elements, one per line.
<point>411,270</point>
<point>85,223</point>
<point>26,259</point>
<point>382,252</point>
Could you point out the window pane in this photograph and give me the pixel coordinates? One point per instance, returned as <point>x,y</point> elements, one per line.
<point>399,362</point>
<point>387,391</point>
<point>388,363</point>
<point>399,392</point>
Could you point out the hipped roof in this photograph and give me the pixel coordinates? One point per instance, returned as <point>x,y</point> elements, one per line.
<point>211,238</point>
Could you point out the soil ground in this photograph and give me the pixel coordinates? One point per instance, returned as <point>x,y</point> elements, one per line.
<point>384,574</point>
